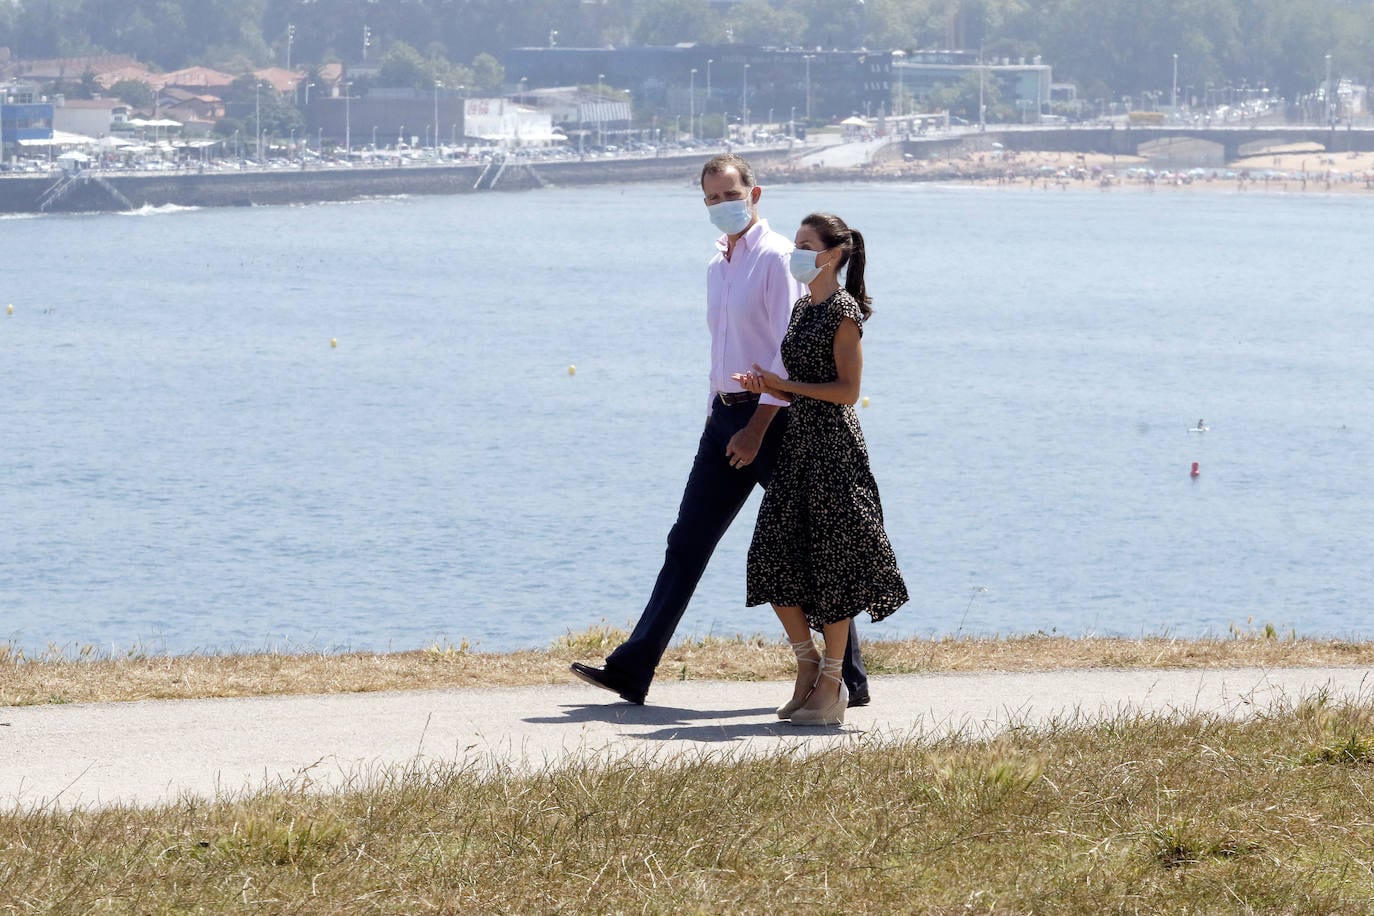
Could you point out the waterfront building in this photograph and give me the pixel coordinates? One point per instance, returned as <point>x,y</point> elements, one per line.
<point>505,122</point>
<point>385,117</point>
<point>742,83</point>
<point>71,69</point>
<point>26,118</point>
<point>749,85</point>
<point>585,119</point>
<point>1024,86</point>
<point>91,117</point>
<point>190,107</point>
<point>202,79</point>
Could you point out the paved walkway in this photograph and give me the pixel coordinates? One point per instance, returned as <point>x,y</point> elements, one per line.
<point>151,752</point>
<point>843,155</point>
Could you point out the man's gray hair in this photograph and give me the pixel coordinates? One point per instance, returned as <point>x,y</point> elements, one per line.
<point>717,164</point>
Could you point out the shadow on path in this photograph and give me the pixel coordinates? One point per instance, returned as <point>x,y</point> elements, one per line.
<point>630,714</point>
<point>678,724</point>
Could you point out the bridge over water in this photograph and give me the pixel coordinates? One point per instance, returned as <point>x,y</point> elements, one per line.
<point>1235,142</point>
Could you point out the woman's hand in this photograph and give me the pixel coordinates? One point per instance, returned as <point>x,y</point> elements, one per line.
<point>749,382</point>
<point>761,381</point>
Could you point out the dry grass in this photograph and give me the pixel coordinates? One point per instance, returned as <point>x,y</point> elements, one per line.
<point>83,677</point>
<point>1140,814</point>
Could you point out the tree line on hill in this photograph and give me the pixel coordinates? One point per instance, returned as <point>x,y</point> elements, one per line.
<point>1109,48</point>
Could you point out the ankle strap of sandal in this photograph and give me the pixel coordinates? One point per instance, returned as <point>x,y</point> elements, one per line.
<point>805,650</point>
<point>831,667</point>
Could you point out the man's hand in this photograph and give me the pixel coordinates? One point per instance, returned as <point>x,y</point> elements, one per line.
<point>743,447</point>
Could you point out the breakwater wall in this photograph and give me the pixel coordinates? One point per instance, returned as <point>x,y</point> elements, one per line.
<point>115,191</point>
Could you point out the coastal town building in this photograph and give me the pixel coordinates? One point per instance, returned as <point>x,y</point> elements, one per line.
<point>92,117</point>
<point>585,119</point>
<point>1023,84</point>
<point>71,69</point>
<point>386,117</point>
<point>507,123</point>
<point>190,107</point>
<point>741,83</point>
<point>26,117</point>
<point>747,85</point>
<point>202,79</point>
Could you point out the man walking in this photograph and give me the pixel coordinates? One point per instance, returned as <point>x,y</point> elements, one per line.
<point>749,297</point>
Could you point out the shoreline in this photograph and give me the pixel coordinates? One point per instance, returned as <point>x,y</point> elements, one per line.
<point>1293,171</point>
<point>1284,171</point>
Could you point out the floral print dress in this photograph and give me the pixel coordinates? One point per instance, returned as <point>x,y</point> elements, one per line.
<point>819,542</point>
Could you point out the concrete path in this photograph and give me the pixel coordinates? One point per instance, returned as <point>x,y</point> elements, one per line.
<point>152,752</point>
<point>843,155</point>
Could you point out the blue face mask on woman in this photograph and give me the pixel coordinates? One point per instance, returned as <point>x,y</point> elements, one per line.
<point>802,264</point>
<point>730,216</point>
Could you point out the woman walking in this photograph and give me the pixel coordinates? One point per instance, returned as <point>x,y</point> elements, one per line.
<point>820,555</point>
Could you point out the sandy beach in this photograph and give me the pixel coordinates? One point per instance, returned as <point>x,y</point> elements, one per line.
<point>1301,168</point>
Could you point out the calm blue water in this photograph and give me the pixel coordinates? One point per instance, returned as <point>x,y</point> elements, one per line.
<point>187,465</point>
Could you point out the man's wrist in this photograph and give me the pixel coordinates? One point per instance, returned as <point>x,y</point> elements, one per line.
<point>763,416</point>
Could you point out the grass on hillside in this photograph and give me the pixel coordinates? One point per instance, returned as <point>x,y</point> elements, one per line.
<point>86,676</point>
<point>1134,815</point>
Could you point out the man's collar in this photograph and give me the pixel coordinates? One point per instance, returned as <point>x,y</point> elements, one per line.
<point>750,237</point>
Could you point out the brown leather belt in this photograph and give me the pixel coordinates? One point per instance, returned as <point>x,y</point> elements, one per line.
<point>731,398</point>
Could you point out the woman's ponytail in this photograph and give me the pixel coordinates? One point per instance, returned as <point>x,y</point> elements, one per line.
<point>854,276</point>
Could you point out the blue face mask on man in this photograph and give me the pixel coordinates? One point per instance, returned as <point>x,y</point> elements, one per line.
<point>730,216</point>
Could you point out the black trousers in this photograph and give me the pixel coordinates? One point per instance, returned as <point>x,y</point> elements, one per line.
<point>714,494</point>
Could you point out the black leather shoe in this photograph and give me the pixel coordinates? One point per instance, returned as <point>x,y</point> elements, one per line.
<point>600,677</point>
<point>858,697</point>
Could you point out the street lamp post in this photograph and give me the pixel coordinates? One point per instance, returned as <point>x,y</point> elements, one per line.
<point>374,138</point>
<point>348,122</point>
<point>706,101</point>
<point>437,84</point>
<point>1330,120</point>
<point>744,105</point>
<point>290,37</point>
<point>692,106</point>
<point>807,59</point>
<point>982,123</point>
<point>897,56</point>
<point>600,133</point>
<point>1173,93</point>
<point>257,118</point>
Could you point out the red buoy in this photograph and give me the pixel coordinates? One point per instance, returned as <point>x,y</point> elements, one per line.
<point>1195,472</point>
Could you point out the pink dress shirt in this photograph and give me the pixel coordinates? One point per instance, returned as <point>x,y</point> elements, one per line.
<point>749,301</point>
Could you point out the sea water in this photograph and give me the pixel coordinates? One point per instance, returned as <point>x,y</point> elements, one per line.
<point>386,424</point>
